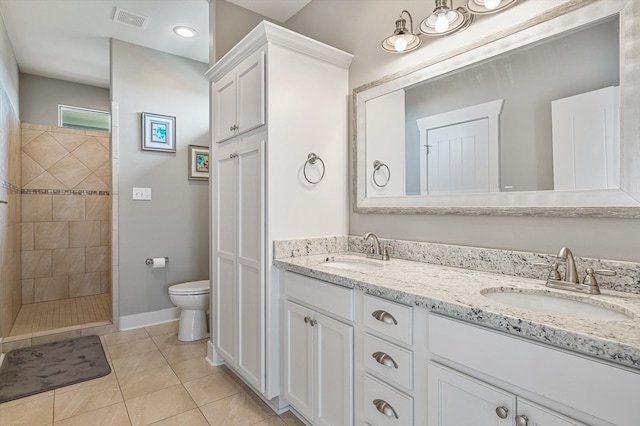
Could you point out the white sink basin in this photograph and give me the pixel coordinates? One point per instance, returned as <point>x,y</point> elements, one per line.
<point>558,305</point>
<point>352,264</point>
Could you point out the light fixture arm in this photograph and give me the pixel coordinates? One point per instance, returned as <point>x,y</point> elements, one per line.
<point>402,19</point>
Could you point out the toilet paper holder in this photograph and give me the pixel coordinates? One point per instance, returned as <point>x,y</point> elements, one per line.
<point>149,261</point>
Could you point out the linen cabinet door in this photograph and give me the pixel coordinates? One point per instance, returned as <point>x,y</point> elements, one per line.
<point>250,260</point>
<point>224,253</point>
<point>334,372</point>
<point>224,108</point>
<point>250,93</point>
<point>298,358</point>
<point>456,399</point>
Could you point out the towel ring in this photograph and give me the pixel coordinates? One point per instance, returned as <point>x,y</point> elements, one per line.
<point>311,159</point>
<point>377,165</point>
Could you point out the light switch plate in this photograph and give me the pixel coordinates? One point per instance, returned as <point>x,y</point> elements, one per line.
<point>143,194</point>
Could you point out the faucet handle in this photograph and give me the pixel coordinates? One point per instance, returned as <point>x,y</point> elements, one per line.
<point>551,267</point>
<point>385,251</point>
<point>590,278</point>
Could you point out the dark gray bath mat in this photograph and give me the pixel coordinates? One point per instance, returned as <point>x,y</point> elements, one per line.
<point>29,371</point>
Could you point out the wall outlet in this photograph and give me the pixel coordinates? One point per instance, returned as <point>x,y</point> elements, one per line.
<point>142,194</point>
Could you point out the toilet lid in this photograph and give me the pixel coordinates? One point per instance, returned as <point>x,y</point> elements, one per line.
<point>193,287</point>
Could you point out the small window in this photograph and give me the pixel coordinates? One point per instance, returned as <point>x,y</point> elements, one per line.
<point>83,118</point>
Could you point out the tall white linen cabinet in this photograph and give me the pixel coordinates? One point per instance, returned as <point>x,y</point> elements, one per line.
<point>277,97</point>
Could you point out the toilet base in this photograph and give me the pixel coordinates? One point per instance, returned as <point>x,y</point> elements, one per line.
<point>193,325</point>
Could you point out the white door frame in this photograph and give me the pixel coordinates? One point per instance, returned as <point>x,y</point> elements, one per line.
<point>489,110</point>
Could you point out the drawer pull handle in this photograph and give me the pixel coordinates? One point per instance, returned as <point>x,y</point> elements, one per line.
<point>384,316</point>
<point>522,420</point>
<point>385,408</point>
<point>384,359</point>
<point>502,412</point>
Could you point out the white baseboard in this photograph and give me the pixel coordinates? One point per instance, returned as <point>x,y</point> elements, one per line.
<point>129,322</point>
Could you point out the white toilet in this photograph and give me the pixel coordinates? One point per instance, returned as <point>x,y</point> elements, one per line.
<point>193,299</point>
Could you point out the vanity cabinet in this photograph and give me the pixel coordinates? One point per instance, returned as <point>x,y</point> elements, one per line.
<point>391,363</point>
<point>239,99</point>
<point>318,350</point>
<point>474,372</point>
<point>277,97</point>
<point>456,399</point>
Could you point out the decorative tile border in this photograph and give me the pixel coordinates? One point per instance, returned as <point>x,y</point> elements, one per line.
<point>64,192</point>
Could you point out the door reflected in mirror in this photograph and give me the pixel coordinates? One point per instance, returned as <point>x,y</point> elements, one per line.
<point>538,118</point>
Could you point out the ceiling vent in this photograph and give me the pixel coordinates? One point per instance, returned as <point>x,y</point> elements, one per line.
<point>130,18</point>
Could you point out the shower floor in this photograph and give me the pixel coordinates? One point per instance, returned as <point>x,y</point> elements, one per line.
<point>43,316</point>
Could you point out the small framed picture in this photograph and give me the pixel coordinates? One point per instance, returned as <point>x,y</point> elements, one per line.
<point>158,132</point>
<point>198,162</point>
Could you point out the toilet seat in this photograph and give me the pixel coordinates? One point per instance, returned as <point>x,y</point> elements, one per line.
<point>190,288</point>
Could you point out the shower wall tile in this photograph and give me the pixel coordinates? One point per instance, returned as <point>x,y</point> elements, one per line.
<point>51,235</point>
<point>51,288</point>
<point>68,261</point>
<point>97,259</point>
<point>84,234</point>
<point>68,207</point>
<point>96,207</point>
<point>65,231</point>
<point>27,236</point>
<point>84,284</point>
<point>27,291</point>
<point>37,208</point>
<point>36,264</point>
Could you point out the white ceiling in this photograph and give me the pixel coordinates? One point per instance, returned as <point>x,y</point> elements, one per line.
<point>69,39</point>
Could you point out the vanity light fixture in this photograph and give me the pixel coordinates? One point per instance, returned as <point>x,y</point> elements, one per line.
<point>485,7</point>
<point>186,32</point>
<point>445,20</point>
<point>402,40</point>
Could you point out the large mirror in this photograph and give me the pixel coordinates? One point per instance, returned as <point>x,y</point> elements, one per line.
<point>532,124</point>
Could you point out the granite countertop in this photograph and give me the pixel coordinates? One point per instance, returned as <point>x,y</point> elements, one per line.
<point>456,292</point>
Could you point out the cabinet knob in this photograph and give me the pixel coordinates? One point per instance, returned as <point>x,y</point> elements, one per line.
<point>307,319</point>
<point>522,420</point>
<point>502,412</point>
<point>384,359</point>
<point>234,127</point>
<point>313,322</point>
<point>384,407</point>
<point>384,316</point>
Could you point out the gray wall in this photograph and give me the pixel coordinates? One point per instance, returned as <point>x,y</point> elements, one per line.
<point>358,27</point>
<point>528,80</point>
<point>40,97</point>
<point>175,223</point>
<point>9,74</point>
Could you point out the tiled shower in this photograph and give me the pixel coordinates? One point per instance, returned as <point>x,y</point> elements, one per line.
<point>56,228</point>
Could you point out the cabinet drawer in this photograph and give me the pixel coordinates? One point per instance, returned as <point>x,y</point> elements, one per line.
<point>321,295</point>
<point>389,318</point>
<point>397,407</point>
<point>394,363</point>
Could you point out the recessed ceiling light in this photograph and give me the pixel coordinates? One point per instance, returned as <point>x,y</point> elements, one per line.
<point>185,32</point>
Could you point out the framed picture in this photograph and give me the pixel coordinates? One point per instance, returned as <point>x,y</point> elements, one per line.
<point>158,132</point>
<point>198,162</point>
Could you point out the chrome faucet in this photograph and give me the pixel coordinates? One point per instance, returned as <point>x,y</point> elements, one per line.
<point>571,282</point>
<point>378,252</point>
<point>570,273</point>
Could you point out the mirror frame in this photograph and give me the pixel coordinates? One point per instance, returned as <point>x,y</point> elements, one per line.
<point>619,203</point>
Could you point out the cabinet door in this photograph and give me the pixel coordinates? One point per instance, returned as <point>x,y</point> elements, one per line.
<point>455,399</point>
<point>224,107</point>
<point>298,358</point>
<point>250,93</point>
<point>224,252</point>
<point>250,260</point>
<point>334,372</point>
<point>531,414</point>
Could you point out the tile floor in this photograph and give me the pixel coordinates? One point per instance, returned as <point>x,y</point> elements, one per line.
<point>43,316</point>
<point>155,379</point>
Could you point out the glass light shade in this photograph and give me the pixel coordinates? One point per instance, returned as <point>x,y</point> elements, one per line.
<point>486,7</point>
<point>456,20</point>
<point>402,40</point>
